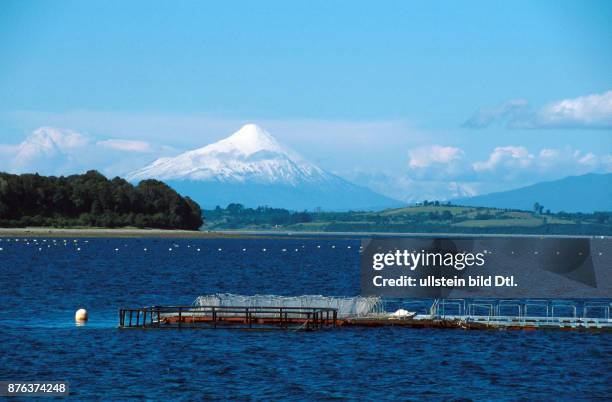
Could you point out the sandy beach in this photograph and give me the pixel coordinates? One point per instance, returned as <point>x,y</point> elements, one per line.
<point>106,232</point>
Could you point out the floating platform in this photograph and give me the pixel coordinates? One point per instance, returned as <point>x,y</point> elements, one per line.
<point>318,318</point>
<point>316,312</point>
<point>229,317</point>
<point>489,323</point>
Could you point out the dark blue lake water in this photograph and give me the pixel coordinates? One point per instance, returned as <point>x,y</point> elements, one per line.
<point>42,284</point>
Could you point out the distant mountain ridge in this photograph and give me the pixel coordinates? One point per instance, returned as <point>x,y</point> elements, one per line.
<point>587,193</point>
<point>250,167</point>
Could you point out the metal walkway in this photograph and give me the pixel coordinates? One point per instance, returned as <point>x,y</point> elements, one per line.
<point>525,314</point>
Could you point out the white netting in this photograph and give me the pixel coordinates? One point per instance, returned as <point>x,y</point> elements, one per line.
<point>347,306</point>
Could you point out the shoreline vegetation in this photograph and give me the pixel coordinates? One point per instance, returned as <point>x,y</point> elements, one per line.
<point>92,200</point>
<point>92,205</point>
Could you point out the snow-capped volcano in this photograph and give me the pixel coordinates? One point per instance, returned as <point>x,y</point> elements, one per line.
<point>250,167</point>
<point>250,154</point>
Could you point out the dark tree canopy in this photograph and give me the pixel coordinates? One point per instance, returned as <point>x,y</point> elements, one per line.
<point>91,199</point>
<point>238,216</point>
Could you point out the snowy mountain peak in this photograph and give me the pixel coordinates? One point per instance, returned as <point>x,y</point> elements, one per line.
<point>251,154</point>
<point>253,138</point>
<point>249,140</point>
<point>253,168</point>
<point>47,146</point>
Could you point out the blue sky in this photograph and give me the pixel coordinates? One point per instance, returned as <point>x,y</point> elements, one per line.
<point>411,98</point>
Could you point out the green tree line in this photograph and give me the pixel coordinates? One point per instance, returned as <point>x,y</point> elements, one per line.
<point>91,199</point>
<point>238,216</point>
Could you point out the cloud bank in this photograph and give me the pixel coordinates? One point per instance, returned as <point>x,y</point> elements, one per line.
<point>441,172</point>
<point>58,151</point>
<point>504,163</point>
<point>436,162</point>
<point>426,156</point>
<point>587,112</point>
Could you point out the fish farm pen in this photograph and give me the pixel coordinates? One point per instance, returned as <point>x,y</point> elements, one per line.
<point>229,317</point>
<point>309,313</point>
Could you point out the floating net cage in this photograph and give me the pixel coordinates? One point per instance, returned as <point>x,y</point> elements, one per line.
<point>347,306</point>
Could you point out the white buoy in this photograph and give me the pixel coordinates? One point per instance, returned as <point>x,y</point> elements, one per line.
<point>80,315</point>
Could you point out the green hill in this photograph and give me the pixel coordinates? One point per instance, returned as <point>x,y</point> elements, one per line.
<point>429,218</point>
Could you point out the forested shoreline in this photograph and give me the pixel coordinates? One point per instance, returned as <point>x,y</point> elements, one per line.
<point>92,200</point>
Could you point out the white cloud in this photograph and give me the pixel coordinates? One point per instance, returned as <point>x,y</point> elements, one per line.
<point>126,145</point>
<point>589,111</point>
<point>591,160</point>
<point>517,162</point>
<point>425,156</point>
<point>435,162</point>
<point>592,111</point>
<point>509,158</point>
